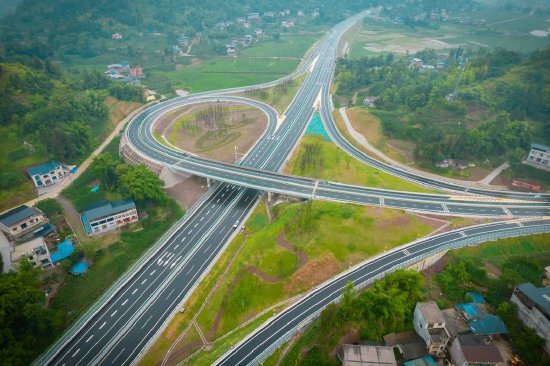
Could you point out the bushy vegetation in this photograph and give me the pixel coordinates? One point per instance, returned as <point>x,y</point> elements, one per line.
<point>520,260</point>
<point>25,325</point>
<point>505,88</point>
<point>387,306</point>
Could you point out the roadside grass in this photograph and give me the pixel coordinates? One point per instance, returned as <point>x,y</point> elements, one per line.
<point>534,246</point>
<point>336,165</point>
<point>332,236</point>
<point>224,72</point>
<point>279,99</point>
<point>292,45</point>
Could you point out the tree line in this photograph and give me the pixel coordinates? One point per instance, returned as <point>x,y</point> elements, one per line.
<point>506,87</point>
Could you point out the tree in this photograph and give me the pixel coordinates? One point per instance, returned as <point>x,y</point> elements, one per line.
<point>26,326</point>
<point>141,184</point>
<point>104,168</point>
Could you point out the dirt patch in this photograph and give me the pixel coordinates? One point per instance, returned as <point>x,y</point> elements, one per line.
<point>366,124</point>
<point>431,221</point>
<point>215,325</point>
<point>492,270</point>
<point>403,148</point>
<point>351,337</point>
<point>262,275</point>
<point>118,109</point>
<point>434,292</point>
<point>302,257</point>
<point>180,353</point>
<point>313,273</point>
<point>189,191</point>
<point>213,130</point>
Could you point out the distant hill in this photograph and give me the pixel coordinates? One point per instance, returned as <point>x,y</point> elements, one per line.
<point>52,28</point>
<point>7,6</point>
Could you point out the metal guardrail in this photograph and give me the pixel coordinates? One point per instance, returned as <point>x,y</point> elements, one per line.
<point>455,244</point>
<point>117,285</point>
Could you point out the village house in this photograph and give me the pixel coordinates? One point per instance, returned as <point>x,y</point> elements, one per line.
<point>287,24</point>
<point>116,36</point>
<point>429,324</point>
<point>474,350</point>
<point>366,355</point>
<point>47,174</point>
<point>183,40</point>
<point>539,156</point>
<point>35,250</point>
<point>241,20</point>
<point>258,31</point>
<point>534,309</point>
<point>416,62</point>
<point>269,14</point>
<point>369,101</point>
<point>20,220</point>
<point>231,49</point>
<point>108,216</point>
<point>315,13</point>
<point>137,72</point>
<point>254,17</point>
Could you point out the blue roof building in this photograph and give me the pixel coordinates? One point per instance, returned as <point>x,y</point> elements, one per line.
<point>47,174</point>
<point>488,324</point>
<point>107,216</point>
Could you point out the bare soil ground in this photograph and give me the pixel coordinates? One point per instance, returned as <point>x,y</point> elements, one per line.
<point>313,273</point>
<point>245,126</point>
<point>188,191</point>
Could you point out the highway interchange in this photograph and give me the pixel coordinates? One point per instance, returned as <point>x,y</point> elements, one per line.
<point>123,326</point>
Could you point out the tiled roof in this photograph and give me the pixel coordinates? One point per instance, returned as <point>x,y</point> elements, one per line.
<point>18,214</point>
<point>108,208</point>
<point>43,168</point>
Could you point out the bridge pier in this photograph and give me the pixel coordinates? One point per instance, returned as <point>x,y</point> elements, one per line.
<point>208,182</point>
<point>269,196</point>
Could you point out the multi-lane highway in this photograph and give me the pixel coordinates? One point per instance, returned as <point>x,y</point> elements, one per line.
<point>256,347</point>
<point>124,323</point>
<point>128,319</point>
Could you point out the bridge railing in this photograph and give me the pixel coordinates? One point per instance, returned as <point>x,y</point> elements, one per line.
<point>455,244</point>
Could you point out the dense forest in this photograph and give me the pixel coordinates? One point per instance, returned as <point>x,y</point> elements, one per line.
<point>501,107</point>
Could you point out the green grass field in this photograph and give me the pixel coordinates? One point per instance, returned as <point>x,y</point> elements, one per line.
<point>335,168</point>
<point>220,73</point>
<point>286,46</point>
<point>383,37</point>
<point>332,236</point>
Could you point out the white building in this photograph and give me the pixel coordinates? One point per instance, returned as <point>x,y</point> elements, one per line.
<point>47,174</point>
<point>35,250</point>
<point>20,221</point>
<point>534,309</point>
<point>429,324</point>
<point>539,156</point>
<point>108,216</point>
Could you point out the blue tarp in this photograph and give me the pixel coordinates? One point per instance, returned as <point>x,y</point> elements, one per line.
<point>94,189</point>
<point>424,361</point>
<point>79,268</point>
<point>64,250</point>
<point>471,310</point>
<point>476,297</point>
<point>489,324</point>
<point>316,127</point>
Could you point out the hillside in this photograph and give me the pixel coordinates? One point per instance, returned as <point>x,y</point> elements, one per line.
<point>501,105</point>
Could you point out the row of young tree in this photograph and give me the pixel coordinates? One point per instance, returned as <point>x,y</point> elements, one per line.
<point>509,89</point>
